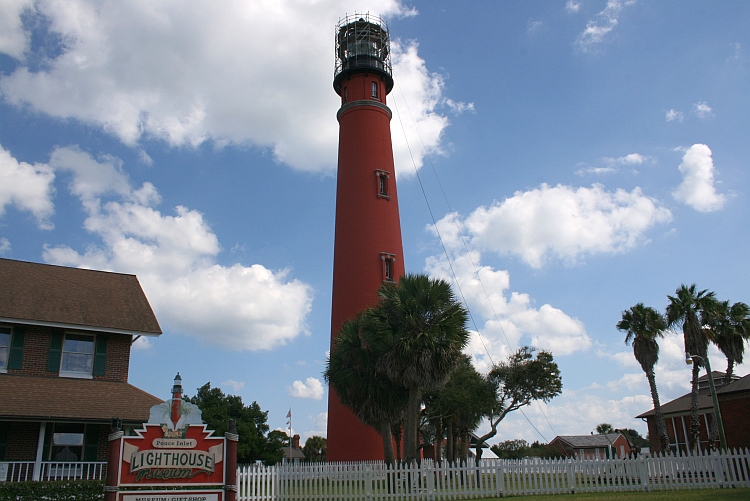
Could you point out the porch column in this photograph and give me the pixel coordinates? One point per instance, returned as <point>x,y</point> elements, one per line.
<point>39,451</point>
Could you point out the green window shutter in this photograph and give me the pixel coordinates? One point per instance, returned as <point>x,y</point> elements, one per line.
<point>55,350</point>
<point>100,355</point>
<point>15,357</point>
<point>91,442</point>
<point>4,429</point>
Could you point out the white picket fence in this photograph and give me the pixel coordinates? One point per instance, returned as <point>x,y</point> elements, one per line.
<point>494,478</point>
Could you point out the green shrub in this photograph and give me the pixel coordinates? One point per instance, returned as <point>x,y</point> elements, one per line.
<point>59,490</point>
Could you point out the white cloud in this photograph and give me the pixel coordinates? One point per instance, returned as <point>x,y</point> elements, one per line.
<point>416,94</point>
<point>632,159</point>
<point>14,41</point>
<point>673,114</point>
<point>625,359</point>
<point>562,222</point>
<point>596,170</point>
<point>320,424</point>
<point>312,388</point>
<point>238,307</point>
<point>604,22</point>
<point>142,343</point>
<point>4,246</point>
<point>612,164</point>
<point>533,26</point>
<point>252,74</point>
<point>702,109</point>
<point>510,319</point>
<point>321,421</point>
<point>28,187</point>
<point>233,385</point>
<point>457,107</point>
<point>630,382</point>
<point>572,6</point>
<point>697,187</point>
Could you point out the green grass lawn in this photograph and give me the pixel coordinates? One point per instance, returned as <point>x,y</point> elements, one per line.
<point>686,495</point>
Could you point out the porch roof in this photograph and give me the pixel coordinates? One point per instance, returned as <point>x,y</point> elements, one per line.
<point>38,398</point>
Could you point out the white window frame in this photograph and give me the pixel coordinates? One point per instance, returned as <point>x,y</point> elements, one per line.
<point>383,177</point>
<point>78,374</point>
<point>4,369</point>
<point>374,90</point>
<point>388,261</point>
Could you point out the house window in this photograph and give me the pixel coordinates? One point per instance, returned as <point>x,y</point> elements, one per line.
<point>67,442</point>
<point>77,356</point>
<point>374,90</point>
<point>388,261</point>
<point>4,348</point>
<point>382,178</point>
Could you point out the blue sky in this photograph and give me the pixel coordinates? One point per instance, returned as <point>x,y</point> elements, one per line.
<point>578,156</point>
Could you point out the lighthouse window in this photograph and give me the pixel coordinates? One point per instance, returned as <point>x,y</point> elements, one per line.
<point>388,261</point>
<point>374,90</point>
<point>382,177</point>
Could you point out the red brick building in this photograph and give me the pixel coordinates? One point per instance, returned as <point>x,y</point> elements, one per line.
<point>600,446</point>
<point>734,401</point>
<point>65,338</point>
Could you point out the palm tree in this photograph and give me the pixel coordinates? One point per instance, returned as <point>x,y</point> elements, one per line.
<point>643,325</point>
<point>460,405</point>
<point>685,309</point>
<point>351,372</point>
<point>422,333</point>
<point>729,327</point>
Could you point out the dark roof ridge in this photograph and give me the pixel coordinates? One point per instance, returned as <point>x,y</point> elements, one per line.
<point>67,267</point>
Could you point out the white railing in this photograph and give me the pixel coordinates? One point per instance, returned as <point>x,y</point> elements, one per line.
<point>21,471</point>
<point>494,478</point>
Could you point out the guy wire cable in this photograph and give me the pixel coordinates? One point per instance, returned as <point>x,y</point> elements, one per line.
<point>463,240</point>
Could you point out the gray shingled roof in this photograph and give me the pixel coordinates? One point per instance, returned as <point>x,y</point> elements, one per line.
<point>585,441</point>
<point>742,384</point>
<point>296,453</point>
<point>43,294</point>
<point>681,405</point>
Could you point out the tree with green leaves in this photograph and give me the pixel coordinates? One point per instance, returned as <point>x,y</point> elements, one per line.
<point>315,449</point>
<point>256,443</point>
<point>729,328</point>
<point>604,428</point>
<point>643,325</point>
<point>422,330</point>
<point>685,309</point>
<point>455,409</point>
<point>521,380</point>
<point>352,372</point>
<point>512,449</point>
<point>519,449</point>
<point>635,438</point>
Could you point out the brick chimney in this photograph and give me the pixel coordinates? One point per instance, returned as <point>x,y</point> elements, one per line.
<point>295,441</point>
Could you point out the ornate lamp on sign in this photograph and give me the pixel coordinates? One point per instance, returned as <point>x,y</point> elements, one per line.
<point>717,410</point>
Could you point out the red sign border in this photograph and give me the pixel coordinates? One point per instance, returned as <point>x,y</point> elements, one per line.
<point>209,433</point>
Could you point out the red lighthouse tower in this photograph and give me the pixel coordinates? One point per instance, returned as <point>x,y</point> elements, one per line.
<point>367,249</point>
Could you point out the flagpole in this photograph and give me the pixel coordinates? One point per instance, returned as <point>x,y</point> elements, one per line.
<point>289,416</point>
